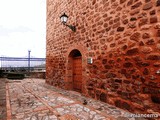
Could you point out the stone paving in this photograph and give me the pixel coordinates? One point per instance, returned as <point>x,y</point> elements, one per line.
<point>33,99</point>
<point>2,100</point>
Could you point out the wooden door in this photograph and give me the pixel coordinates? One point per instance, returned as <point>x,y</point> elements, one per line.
<point>77,73</point>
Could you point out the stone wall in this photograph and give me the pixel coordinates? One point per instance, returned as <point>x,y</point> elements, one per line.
<point>37,74</point>
<point>122,37</point>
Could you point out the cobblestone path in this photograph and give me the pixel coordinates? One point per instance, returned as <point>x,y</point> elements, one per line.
<point>2,99</point>
<point>33,99</point>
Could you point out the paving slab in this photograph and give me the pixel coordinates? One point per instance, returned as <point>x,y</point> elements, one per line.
<point>33,99</point>
<point>3,111</point>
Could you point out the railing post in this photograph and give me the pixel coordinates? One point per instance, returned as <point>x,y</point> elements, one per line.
<point>29,61</point>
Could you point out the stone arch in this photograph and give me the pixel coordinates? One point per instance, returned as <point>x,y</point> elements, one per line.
<point>75,51</point>
<point>75,70</point>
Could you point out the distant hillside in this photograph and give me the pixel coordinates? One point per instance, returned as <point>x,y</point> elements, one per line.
<point>41,66</point>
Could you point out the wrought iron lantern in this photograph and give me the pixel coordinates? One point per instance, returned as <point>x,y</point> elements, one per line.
<point>64,19</point>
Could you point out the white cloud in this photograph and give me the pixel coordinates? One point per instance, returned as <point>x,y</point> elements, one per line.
<point>22,27</point>
<point>7,31</point>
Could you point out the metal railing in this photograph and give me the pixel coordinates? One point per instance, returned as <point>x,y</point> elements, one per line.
<point>22,64</point>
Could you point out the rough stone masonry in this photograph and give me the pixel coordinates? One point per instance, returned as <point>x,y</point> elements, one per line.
<point>122,37</point>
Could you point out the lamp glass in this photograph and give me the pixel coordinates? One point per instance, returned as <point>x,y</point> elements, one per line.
<point>64,18</point>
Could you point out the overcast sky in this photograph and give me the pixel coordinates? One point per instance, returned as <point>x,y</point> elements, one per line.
<point>22,28</point>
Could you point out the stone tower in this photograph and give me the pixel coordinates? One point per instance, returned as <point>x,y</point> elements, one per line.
<point>114,55</point>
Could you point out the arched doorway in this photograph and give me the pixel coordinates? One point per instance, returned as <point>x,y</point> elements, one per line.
<point>75,62</point>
